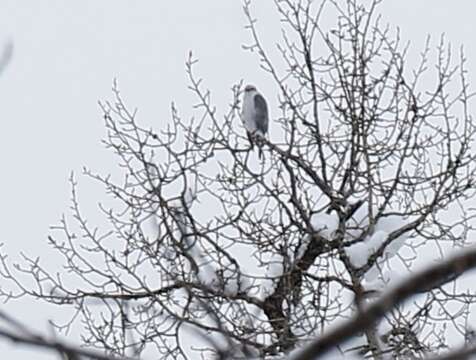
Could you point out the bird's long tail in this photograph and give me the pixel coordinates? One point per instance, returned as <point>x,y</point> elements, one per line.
<point>250,138</point>
<point>256,140</point>
<point>260,151</point>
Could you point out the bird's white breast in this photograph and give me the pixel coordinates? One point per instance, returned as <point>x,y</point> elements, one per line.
<point>249,111</point>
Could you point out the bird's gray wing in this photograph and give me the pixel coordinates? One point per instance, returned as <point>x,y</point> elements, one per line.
<point>261,113</point>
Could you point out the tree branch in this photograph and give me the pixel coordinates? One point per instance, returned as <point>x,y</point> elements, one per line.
<point>424,281</point>
<point>61,347</point>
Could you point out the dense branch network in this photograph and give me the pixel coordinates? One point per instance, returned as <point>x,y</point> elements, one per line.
<point>367,162</point>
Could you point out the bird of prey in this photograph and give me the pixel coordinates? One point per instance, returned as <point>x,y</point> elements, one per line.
<point>255,116</point>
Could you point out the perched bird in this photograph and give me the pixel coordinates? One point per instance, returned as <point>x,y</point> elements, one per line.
<point>255,116</point>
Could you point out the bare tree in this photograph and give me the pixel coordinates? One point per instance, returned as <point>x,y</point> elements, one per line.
<point>367,173</point>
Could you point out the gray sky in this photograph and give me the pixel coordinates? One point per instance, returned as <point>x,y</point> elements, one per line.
<point>65,58</point>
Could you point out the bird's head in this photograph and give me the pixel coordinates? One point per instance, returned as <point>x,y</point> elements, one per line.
<point>249,88</point>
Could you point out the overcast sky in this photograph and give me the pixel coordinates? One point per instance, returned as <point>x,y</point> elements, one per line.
<point>66,54</point>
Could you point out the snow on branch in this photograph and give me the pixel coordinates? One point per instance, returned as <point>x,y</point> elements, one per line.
<point>424,281</point>
<point>460,354</point>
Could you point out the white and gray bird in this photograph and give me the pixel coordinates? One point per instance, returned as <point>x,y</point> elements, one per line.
<point>255,116</point>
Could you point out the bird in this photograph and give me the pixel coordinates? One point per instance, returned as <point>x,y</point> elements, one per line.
<point>255,117</point>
